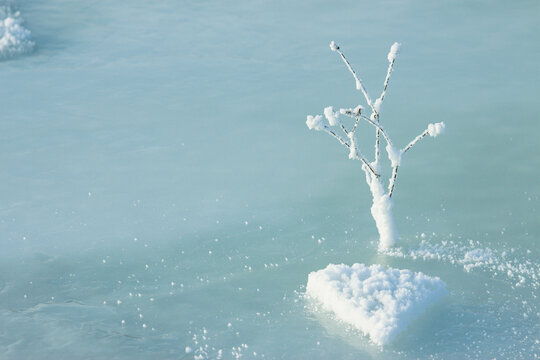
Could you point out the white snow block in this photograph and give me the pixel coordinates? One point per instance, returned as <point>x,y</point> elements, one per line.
<point>378,301</point>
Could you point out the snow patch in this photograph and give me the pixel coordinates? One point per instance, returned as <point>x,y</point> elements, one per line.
<point>379,302</point>
<point>14,38</point>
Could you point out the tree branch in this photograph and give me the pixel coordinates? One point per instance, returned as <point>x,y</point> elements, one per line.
<point>359,84</point>
<point>392,181</point>
<point>336,136</point>
<point>415,140</point>
<point>386,80</point>
<point>379,128</point>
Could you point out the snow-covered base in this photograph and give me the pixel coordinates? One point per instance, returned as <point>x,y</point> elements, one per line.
<point>378,301</point>
<point>14,38</point>
<point>381,210</point>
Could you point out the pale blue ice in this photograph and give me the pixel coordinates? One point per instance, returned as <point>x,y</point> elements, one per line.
<point>159,188</point>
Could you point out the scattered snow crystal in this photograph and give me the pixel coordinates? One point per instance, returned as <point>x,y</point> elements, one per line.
<point>331,116</point>
<point>436,129</point>
<point>314,122</point>
<point>379,302</point>
<point>334,46</point>
<point>394,50</point>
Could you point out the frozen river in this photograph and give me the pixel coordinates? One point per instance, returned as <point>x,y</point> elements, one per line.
<point>162,198</point>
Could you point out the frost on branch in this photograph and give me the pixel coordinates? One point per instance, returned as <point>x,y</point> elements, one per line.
<point>381,209</point>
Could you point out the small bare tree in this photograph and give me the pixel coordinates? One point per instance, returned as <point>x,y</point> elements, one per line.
<point>381,210</point>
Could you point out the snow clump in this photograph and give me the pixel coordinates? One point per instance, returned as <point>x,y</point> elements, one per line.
<point>14,38</point>
<point>394,154</point>
<point>394,50</point>
<point>331,116</point>
<point>379,302</point>
<point>315,122</point>
<point>436,129</point>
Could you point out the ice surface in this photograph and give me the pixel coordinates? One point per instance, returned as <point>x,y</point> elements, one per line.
<point>14,38</point>
<point>380,302</point>
<point>161,109</point>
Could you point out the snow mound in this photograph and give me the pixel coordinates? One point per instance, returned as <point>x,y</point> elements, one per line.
<point>14,38</point>
<point>379,302</point>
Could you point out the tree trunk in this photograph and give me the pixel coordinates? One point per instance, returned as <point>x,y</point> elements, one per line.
<point>381,210</point>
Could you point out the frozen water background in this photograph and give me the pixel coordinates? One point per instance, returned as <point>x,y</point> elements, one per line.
<point>159,188</point>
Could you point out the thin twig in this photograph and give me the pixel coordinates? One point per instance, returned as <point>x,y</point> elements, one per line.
<point>358,81</point>
<point>355,124</point>
<point>381,98</point>
<point>392,181</point>
<point>338,138</point>
<point>377,146</point>
<point>379,128</point>
<point>387,79</point>
<point>370,168</point>
<point>358,155</point>
<point>415,140</point>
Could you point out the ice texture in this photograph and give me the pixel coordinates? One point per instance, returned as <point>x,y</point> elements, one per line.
<point>379,301</point>
<point>14,38</point>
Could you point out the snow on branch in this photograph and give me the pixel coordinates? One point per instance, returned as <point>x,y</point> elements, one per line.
<point>359,85</point>
<point>382,202</point>
<point>432,130</point>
